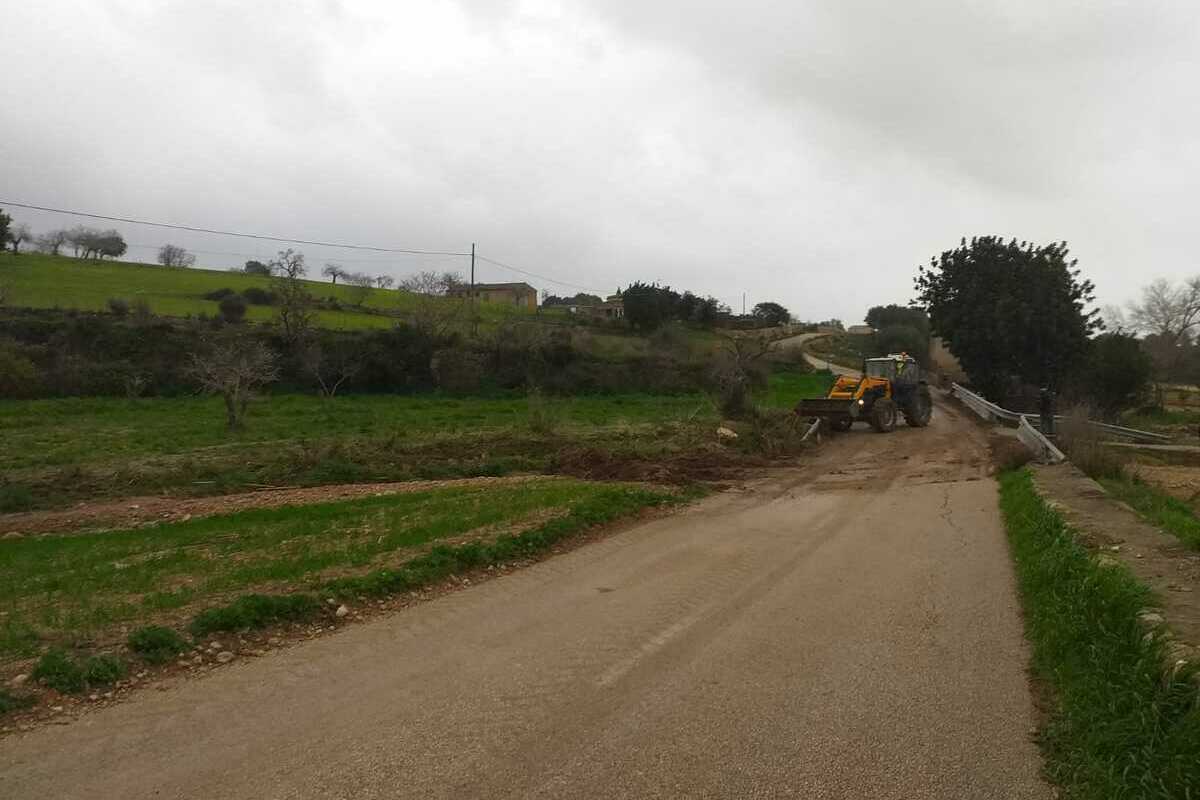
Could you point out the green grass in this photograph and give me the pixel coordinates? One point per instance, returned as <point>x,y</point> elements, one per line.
<point>1119,726</point>
<point>1163,419</point>
<point>1157,507</point>
<point>82,585</point>
<point>787,388</point>
<point>35,280</point>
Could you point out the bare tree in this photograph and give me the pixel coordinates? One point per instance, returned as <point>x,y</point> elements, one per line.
<point>235,368</point>
<point>18,234</point>
<point>51,241</point>
<point>385,281</point>
<point>295,312</point>
<point>431,283</point>
<point>1167,310</point>
<point>334,271</point>
<point>333,365</point>
<point>170,255</point>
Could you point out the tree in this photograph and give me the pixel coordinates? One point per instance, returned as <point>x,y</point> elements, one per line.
<point>360,285</point>
<point>903,339</point>
<point>5,222</point>
<point>295,313</point>
<point>432,283</point>
<point>235,367</point>
<point>256,268</point>
<point>233,308</point>
<point>1009,310</point>
<point>81,239</point>
<point>385,281</point>
<point>1168,315</point>
<point>112,244</point>
<point>1116,375</point>
<point>333,364</point>
<point>333,271</point>
<point>51,241</point>
<point>771,314</point>
<point>170,255</point>
<point>649,306</point>
<point>17,235</point>
<point>880,317</point>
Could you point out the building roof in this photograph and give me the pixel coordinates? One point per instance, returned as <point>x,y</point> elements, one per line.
<point>496,287</point>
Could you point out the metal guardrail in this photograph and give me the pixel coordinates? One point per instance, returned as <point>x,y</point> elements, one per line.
<point>1036,441</point>
<point>989,410</point>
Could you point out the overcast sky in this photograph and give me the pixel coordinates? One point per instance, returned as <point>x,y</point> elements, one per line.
<point>812,152</point>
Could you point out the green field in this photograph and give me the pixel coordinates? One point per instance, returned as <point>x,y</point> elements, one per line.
<point>83,585</point>
<point>34,280</point>
<point>56,452</point>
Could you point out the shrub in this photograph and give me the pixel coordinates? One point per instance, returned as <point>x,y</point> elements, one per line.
<point>544,416</point>
<point>220,294</point>
<point>19,376</point>
<point>458,369</point>
<point>156,644</point>
<point>233,308</point>
<point>59,671</point>
<point>1008,454</point>
<point>141,308</point>
<point>1083,445</point>
<point>257,296</point>
<point>103,670</point>
<point>118,306</point>
<point>15,497</point>
<point>254,611</point>
<point>14,702</point>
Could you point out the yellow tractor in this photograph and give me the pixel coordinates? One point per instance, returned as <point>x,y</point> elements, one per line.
<point>889,386</point>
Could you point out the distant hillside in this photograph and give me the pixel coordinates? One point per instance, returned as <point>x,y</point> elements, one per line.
<point>35,280</point>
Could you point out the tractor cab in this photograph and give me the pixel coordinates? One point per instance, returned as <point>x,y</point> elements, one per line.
<point>899,368</point>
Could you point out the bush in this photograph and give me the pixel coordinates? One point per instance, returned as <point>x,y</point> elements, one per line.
<point>459,369</point>
<point>1082,443</point>
<point>257,296</point>
<point>544,416</point>
<point>1009,454</point>
<point>14,702</point>
<point>141,308</point>
<point>19,376</point>
<point>220,294</point>
<point>118,306</point>
<point>15,497</point>
<point>255,611</point>
<point>233,308</point>
<point>156,644</point>
<point>59,671</point>
<point>103,670</point>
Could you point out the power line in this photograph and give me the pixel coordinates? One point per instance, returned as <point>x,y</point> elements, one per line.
<point>285,240</point>
<point>258,236</point>
<point>502,265</point>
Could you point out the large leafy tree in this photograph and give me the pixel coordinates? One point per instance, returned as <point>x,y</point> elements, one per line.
<point>1010,310</point>
<point>648,306</point>
<point>5,221</point>
<point>772,314</point>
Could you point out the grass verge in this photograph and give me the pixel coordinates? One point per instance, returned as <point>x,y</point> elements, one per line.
<point>1157,507</point>
<point>1120,726</point>
<point>61,589</point>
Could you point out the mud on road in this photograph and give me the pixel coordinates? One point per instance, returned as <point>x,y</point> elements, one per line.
<point>846,629</point>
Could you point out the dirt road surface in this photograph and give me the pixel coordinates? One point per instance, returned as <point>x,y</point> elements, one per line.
<point>845,630</point>
<point>820,363</point>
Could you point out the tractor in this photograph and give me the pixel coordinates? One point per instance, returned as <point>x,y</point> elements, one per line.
<point>889,386</point>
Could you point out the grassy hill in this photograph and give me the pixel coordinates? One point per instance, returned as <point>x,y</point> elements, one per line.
<point>35,280</point>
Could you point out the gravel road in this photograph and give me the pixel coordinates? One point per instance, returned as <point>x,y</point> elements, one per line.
<point>845,630</point>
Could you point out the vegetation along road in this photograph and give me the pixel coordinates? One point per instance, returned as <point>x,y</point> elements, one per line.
<point>847,628</point>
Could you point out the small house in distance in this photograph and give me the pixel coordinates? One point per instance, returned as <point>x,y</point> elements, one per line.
<point>613,307</point>
<point>521,295</point>
<point>860,330</point>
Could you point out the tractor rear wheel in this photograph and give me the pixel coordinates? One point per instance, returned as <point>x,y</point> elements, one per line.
<point>883,415</point>
<point>920,408</point>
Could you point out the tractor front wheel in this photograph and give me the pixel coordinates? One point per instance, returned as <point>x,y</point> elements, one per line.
<point>883,415</point>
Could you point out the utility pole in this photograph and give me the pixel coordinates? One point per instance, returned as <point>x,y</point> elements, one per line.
<point>743,304</point>
<point>474,324</point>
